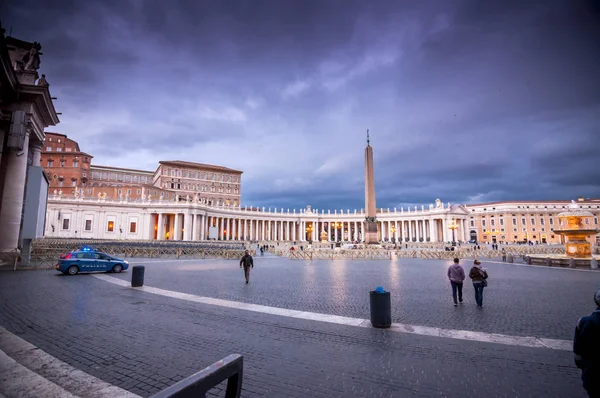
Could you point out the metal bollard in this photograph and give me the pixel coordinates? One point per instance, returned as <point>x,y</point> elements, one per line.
<point>571,263</point>
<point>137,276</point>
<point>594,263</point>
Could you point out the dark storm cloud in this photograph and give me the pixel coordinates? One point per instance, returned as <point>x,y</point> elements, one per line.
<point>467,101</point>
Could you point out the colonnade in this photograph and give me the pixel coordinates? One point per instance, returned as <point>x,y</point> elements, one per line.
<point>190,226</point>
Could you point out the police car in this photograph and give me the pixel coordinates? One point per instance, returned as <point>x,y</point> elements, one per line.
<point>87,259</point>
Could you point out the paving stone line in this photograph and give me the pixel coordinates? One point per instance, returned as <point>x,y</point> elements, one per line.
<point>535,342</point>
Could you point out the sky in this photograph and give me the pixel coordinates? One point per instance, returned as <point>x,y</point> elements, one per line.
<point>466,101</point>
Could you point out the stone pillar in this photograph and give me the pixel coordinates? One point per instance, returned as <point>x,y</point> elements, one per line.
<point>176,227</point>
<point>36,148</point>
<point>12,197</point>
<point>445,230</point>
<point>202,226</point>
<point>161,228</point>
<point>219,228</point>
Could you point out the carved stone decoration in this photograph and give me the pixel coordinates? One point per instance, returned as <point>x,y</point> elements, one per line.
<point>31,59</point>
<point>42,82</point>
<point>438,204</point>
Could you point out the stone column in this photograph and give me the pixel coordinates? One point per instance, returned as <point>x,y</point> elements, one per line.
<point>36,148</point>
<point>12,197</point>
<point>161,229</point>
<point>445,229</point>
<point>176,227</point>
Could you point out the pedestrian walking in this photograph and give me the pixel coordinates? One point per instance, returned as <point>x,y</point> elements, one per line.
<point>247,262</point>
<point>503,254</point>
<point>478,275</point>
<point>456,274</point>
<point>586,347</point>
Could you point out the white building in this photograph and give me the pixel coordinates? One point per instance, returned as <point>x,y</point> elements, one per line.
<point>97,218</point>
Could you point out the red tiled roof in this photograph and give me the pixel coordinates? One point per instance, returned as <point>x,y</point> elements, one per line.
<point>182,163</point>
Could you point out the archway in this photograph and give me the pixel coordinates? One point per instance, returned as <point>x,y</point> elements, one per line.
<point>473,235</point>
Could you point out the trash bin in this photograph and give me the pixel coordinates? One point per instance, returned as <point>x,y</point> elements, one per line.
<point>137,276</point>
<point>381,308</point>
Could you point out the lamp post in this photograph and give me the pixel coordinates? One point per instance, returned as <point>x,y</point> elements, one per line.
<point>393,231</point>
<point>453,226</point>
<point>309,230</point>
<point>336,226</point>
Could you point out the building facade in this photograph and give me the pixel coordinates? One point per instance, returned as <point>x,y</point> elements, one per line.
<point>71,174</point>
<point>196,219</point>
<point>26,109</point>
<point>65,165</point>
<point>221,186</point>
<point>525,221</point>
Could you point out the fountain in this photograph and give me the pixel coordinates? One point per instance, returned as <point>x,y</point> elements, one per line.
<point>578,249</point>
<point>575,232</point>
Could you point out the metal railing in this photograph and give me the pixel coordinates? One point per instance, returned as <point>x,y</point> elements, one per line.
<point>197,385</point>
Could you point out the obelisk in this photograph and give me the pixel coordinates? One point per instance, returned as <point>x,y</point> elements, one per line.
<point>370,236</point>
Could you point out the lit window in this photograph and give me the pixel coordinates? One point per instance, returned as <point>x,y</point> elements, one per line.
<point>111,226</point>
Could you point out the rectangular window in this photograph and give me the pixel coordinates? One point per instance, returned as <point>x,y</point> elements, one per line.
<point>523,221</point>
<point>68,149</point>
<point>65,223</point>
<point>541,221</point>
<point>48,149</point>
<point>596,220</point>
<point>75,163</point>
<point>50,163</point>
<point>472,223</point>
<point>74,183</point>
<point>551,221</point>
<point>493,222</point>
<point>483,223</point>
<point>502,221</point>
<point>88,225</point>
<point>111,226</point>
<point>119,192</point>
<point>533,221</point>
<point>59,149</point>
<point>129,192</point>
<point>139,191</point>
<point>133,227</point>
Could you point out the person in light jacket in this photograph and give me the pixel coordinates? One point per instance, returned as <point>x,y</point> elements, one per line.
<point>456,274</point>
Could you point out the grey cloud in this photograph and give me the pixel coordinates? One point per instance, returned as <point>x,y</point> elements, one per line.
<point>475,100</point>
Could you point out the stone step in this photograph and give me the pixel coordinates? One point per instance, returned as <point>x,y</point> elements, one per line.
<point>26,371</point>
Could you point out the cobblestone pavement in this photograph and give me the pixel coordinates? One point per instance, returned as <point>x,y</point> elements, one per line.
<point>520,300</point>
<point>143,343</point>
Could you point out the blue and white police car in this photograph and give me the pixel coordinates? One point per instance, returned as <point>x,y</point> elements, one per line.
<point>87,259</point>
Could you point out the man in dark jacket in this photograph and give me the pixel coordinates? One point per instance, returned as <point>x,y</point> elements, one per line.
<point>586,347</point>
<point>247,262</point>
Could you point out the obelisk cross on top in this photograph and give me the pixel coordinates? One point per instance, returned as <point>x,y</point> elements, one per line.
<point>371,235</point>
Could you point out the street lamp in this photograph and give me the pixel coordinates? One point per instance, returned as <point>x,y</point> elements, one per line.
<point>453,226</point>
<point>337,225</point>
<point>393,231</point>
<point>309,230</point>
